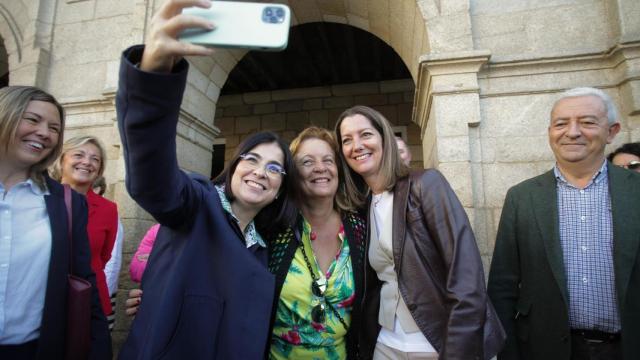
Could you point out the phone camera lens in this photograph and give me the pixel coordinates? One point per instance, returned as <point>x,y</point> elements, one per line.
<point>273,15</point>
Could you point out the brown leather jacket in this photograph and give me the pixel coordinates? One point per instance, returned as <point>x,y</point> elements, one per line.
<point>440,274</point>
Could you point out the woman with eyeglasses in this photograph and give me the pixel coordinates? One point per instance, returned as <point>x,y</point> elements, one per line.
<point>37,250</point>
<point>207,291</point>
<point>81,162</point>
<point>627,156</point>
<point>427,297</point>
<point>319,262</point>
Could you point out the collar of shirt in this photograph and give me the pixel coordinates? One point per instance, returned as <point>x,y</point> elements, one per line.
<point>597,177</point>
<point>29,183</point>
<point>251,235</point>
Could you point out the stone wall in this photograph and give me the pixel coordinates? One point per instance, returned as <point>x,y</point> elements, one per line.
<point>287,112</point>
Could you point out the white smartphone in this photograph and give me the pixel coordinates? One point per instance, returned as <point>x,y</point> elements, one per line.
<point>259,26</point>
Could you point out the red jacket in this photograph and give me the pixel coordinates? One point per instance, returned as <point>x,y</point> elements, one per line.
<point>101,227</point>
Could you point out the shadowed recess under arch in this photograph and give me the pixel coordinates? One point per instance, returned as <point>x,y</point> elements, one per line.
<point>318,54</point>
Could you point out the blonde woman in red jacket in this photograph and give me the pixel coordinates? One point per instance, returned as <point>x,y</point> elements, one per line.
<point>82,161</point>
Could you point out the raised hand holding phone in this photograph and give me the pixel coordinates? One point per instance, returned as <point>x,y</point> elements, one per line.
<point>162,47</point>
<point>247,25</point>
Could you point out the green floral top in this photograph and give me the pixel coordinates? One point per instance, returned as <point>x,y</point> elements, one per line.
<point>295,335</point>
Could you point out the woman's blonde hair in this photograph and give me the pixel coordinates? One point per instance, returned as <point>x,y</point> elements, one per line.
<point>13,103</point>
<point>391,167</point>
<point>74,143</point>
<point>342,201</point>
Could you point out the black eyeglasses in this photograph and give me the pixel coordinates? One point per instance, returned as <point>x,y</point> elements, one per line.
<point>318,314</point>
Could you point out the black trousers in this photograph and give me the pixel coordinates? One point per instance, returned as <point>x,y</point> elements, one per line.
<point>26,351</point>
<point>583,349</point>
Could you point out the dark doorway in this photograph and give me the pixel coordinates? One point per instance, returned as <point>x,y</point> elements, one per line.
<point>4,65</point>
<point>217,160</point>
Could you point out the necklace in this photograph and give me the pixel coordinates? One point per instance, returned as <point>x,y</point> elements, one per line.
<point>376,199</point>
<point>314,234</point>
<point>318,289</point>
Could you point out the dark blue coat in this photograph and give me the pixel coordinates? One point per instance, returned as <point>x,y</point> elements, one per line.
<point>205,295</point>
<point>51,344</point>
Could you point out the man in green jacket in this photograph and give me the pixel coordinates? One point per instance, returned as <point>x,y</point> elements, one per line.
<point>565,276</point>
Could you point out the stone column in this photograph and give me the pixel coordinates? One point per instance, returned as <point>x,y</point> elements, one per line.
<point>628,76</point>
<point>447,109</point>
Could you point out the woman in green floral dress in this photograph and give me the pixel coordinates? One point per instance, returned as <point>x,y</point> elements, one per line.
<point>319,263</point>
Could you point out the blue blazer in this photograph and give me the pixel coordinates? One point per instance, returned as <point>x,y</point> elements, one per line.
<point>51,344</point>
<point>205,295</point>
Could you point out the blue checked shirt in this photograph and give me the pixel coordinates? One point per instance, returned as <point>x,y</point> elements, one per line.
<point>586,237</point>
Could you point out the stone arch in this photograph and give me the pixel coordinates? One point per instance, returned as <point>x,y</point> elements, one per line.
<point>402,25</point>
<point>27,27</point>
<point>411,28</point>
<point>208,76</point>
<point>11,30</point>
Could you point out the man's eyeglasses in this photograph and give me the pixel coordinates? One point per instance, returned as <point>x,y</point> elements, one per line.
<point>272,169</point>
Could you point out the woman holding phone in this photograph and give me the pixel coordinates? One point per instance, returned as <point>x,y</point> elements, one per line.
<point>209,290</point>
<point>318,263</point>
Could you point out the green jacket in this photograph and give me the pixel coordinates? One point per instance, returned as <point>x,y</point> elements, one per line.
<point>527,282</point>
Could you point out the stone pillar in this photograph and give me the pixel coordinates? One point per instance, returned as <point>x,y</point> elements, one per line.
<point>447,109</point>
<point>624,13</point>
<point>629,80</point>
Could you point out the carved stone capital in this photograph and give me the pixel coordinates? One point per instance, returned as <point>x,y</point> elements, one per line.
<point>446,74</point>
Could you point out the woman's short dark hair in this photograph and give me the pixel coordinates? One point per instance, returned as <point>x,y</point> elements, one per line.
<point>628,148</point>
<point>280,213</point>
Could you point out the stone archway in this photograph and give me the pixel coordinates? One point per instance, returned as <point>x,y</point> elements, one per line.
<point>411,28</point>
<point>26,27</point>
<point>326,68</point>
<point>4,65</point>
<point>11,39</point>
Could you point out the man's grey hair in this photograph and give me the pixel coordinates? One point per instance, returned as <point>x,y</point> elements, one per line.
<point>609,107</point>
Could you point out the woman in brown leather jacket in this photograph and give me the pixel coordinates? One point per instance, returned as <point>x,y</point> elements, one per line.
<point>425,295</point>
